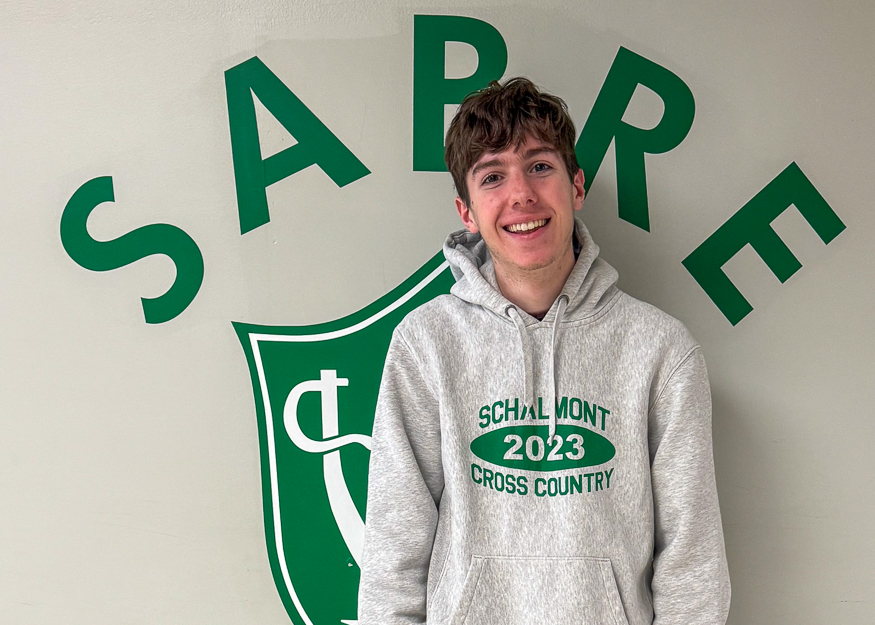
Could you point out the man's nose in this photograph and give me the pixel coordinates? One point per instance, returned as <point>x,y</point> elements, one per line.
<point>521,190</point>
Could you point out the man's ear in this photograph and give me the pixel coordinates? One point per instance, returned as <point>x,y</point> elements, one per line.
<point>578,189</point>
<point>467,216</point>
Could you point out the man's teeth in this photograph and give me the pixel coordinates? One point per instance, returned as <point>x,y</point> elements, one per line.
<point>526,227</point>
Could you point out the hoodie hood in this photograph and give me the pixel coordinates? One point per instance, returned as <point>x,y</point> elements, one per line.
<point>589,287</point>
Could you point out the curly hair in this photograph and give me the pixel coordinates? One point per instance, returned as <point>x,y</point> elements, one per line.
<point>502,116</point>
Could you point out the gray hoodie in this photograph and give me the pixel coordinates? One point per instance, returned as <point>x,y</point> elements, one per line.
<point>529,471</point>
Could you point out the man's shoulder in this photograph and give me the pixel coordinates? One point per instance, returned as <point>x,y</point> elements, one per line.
<point>435,331</point>
<point>640,318</point>
<point>433,314</point>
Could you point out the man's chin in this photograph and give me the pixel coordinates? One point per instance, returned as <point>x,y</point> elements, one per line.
<point>527,267</point>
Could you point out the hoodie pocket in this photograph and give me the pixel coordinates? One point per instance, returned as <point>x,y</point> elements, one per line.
<point>506,590</point>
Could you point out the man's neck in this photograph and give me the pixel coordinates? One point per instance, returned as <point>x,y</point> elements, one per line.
<point>535,291</point>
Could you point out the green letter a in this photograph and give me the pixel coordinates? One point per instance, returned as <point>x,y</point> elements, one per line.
<point>315,143</point>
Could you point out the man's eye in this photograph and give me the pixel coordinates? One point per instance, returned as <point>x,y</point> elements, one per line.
<point>542,167</point>
<point>490,179</point>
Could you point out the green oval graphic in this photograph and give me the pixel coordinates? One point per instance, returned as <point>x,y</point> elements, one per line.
<point>525,447</point>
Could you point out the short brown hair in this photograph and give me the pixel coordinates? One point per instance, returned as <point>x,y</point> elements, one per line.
<point>500,116</point>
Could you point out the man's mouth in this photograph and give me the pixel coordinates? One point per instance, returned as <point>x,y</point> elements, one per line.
<point>529,226</point>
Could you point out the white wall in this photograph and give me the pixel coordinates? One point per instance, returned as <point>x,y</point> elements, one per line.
<point>129,454</point>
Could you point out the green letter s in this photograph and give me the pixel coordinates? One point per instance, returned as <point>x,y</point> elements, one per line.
<point>128,248</point>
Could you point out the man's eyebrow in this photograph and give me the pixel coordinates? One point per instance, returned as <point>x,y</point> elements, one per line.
<point>537,151</point>
<point>486,165</point>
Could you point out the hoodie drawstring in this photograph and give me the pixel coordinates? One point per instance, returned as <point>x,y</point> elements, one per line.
<point>551,398</point>
<point>528,376</point>
<point>528,381</point>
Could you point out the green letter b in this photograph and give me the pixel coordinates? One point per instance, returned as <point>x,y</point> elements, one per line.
<point>432,90</point>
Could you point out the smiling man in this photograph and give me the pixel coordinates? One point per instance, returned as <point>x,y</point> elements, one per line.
<point>542,441</point>
<point>522,201</point>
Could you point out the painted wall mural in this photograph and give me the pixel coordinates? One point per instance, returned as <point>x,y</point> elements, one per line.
<point>315,386</point>
<point>315,393</point>
<point>317,145</point>
<point>216,214</point>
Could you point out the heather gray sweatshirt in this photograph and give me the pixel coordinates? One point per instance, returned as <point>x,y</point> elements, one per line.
<point>554,471</point>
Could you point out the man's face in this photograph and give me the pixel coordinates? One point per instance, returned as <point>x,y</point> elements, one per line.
<point>522,204</point>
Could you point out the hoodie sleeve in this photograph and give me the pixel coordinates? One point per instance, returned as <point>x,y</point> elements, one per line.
<point>690,574</point>
<point>405,483</point>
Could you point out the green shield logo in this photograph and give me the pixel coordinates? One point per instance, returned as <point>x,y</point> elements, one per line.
<point>315,392</point>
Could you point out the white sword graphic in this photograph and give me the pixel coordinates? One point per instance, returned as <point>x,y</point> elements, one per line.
<point>349,522</point>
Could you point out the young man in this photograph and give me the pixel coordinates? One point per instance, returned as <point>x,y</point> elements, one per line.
<point>542,441</point>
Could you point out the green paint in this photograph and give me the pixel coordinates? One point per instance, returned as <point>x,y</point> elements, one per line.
<point>316,145</point>
<point>561,408</point>
<point>133,246</point>
<point>525,447</point>
<point>304,529</point>
<point>605,124</point>
<point>432,89</point>
<point>752,224</point>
